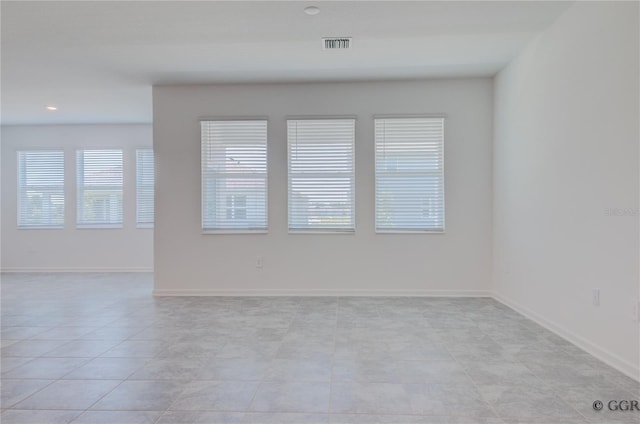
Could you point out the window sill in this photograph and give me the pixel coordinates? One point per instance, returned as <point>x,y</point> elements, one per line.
<point>229,232</point>
<point>410,232</point>
<point>39,227</point>
<point>98,226</point>
<point>345,232</point>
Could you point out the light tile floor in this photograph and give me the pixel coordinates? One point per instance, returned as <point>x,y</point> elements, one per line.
<point>98,348</point>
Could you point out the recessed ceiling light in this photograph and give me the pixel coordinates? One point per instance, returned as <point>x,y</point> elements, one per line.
<point>311,10</point>
<point>51,107</point>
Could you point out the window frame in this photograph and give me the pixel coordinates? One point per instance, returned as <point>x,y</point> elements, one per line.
<point>20,189</point>
<point>223,206</point>
<point>441,173</point>
<point>345,231</point>
<point>80,190</point>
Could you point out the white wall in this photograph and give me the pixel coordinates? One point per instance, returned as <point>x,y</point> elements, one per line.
<point>457,262</point>
<point>566,153</point>
<point>71,249</point>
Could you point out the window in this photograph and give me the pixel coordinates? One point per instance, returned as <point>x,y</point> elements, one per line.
<point>321,174</point>
<point>234,176</point>
<point>144,188</point>
<point>41,189</point>
<point>99,178</point>
<point>409,174</point>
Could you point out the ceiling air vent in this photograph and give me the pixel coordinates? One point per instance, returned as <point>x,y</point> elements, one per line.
<point>336,43</point>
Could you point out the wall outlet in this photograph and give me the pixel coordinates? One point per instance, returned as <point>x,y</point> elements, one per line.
<point>259,262</point>
<point>635,312</point>
<point>595,297</point>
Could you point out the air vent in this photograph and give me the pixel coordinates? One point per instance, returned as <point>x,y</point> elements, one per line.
<point>336,43</point>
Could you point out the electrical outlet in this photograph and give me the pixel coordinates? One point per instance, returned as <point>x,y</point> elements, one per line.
<point>595,299</point>
<point>635,313</point>
<point>259,262</point>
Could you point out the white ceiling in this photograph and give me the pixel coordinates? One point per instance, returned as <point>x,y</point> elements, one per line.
<point>97,60</point>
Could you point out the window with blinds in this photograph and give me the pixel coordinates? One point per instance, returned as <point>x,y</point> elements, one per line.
<point>41,189</point>
<point>144,188</point>
<point>234,176</point>
<point>99,192</point>
<point>409,174</point>
<point>321,174</point>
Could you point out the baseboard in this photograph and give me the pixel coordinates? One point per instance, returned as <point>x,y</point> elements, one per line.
<point>312,292</point>
<point>75,269</point>
<point>610,358</point>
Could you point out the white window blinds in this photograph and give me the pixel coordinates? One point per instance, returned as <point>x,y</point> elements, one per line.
<point>234,175</point>
<point>321,174</point>
<point>409,174</point>
<point>144,187</point>
<point>99,180</point>
<point>41,189</point>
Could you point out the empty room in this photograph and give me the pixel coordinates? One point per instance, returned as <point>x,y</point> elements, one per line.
<point>325,212</point>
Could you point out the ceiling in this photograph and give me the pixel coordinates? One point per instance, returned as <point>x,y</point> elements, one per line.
<point>97,60</point>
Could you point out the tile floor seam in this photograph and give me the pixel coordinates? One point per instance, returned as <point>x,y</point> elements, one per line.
<point>27,397</point>
<point>464,369</point>
<point>553,389</point>
<point>261,381</point>
<point>333,356</point>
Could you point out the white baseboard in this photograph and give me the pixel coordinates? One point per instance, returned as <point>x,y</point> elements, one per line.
<point>312,292</point>
<point>610,358</point>
<point>75,269</point>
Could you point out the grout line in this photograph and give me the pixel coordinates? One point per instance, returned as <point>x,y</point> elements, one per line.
<point>333,357</point>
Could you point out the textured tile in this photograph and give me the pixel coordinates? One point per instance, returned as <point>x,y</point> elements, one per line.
<point>201,417</point>
<point>368,371</point>
<point>291,397</point>
<point>251,369</point>
<point>298,370</point>
<point>68,394</point>
<point>216,396</point>
<point>21,333</point>
<point>141,396</point>
<point>8,364</point>
<point>284,418</point>
<point>440,399</point>
<point>63,333</point>
<point>111,333</point>
<point>12,416</point>
<point>45,368</point>
<point>419,351</point>
<point>409,419</point>
<point>31,348</point>
<point>445,372</point>
<point>527,402</point>
<point>118,417</point>
<point>502,373</point>
<point>369,398</point>
<point>169,369</point>
<point>192,349</point>
<point>135,349</point>
<point>81,349</point>
<point>14,391</point>
<point>106,369</point>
